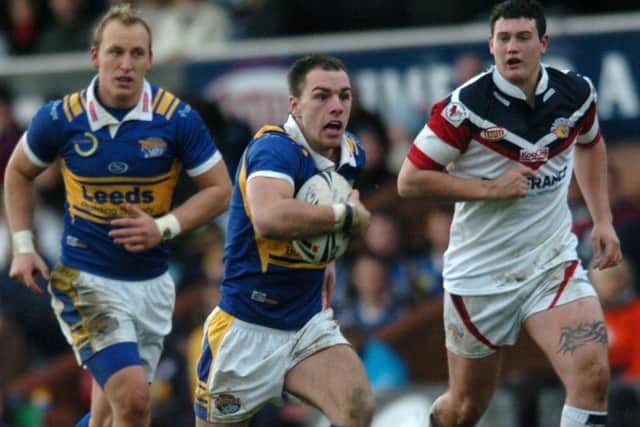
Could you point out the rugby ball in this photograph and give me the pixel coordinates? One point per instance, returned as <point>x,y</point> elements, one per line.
<point>324,188</point>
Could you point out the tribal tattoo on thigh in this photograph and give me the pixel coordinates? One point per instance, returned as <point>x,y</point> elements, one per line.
<point>573,338</point>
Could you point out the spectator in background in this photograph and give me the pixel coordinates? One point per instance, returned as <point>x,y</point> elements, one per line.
<point>10,130</point>
<point>616,288</point>
<point>426,268</point>
<point>23,21</point>
<point>186,28</point>
<point>377,183</point>
<point>69,30</point>
<point>372,308</point>
<point>466,66</point>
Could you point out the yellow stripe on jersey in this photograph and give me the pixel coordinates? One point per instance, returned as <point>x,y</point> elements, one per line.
<point>164,103</point>
<point>157,98</point>
<point>352,145</point>
<point>172,108</point>
<point>65,107</point>
<point>74,103</point>
<point>62,280</point>
<point>101,199</point>
<point>268,128</point>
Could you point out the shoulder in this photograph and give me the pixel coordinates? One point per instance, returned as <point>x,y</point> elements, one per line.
<point>69,108</point>
<point>275,140</point>
<point>473,93</point>
<point>571,84</point>
<point>61,111</point>
<point>166,104</point>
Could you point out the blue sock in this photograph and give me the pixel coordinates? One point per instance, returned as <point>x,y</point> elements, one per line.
<point>84,421</point>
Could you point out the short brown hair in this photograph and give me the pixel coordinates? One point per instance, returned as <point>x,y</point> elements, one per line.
<point>299,70</point>
<point>124,13</point>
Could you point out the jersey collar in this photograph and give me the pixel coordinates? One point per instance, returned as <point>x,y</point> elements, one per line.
<point>514,91</point>
<point>99,117</point>
<point>321,162</point>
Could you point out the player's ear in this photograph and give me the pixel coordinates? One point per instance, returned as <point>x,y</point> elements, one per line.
<point>93,54</point>
<point>294,106</point>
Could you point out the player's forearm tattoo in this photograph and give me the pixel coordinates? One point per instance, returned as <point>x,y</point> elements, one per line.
<point>573,338</point>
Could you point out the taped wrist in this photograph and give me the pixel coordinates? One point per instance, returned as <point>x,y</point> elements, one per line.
<point>345,215</point>
<point>169,226</point>
<point>22,242</point>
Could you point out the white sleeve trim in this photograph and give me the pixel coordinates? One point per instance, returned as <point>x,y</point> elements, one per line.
<point>588,137</point>
<point>206,165</point>
<point>31,155</point>
<point>438,150</point>
<point>272,174</point>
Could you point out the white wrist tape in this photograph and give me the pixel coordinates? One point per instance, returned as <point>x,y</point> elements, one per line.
<point>339,215</point>
<point>169,226</point>
<point>22,242</point>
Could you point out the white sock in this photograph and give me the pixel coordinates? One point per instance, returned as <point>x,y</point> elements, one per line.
<point>575,417</point>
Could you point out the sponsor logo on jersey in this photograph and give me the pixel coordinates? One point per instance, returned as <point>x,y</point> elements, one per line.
<point>152,147</point>
<point>535,155</point>
<point>543,182</point>
<point>561,127</point>
<point>118,168</point>
<point>134,196</point>
<point>455,113</point>
<point>227,403</point>
<point>86,146</point>
<point>75,242</point>
<point>493,133</point>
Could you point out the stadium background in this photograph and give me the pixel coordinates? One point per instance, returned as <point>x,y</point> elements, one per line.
<point>229,59</point>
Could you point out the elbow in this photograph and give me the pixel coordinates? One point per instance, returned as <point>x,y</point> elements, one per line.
<point>264,227</point>
<point>403,190</point>
<point>406,188</point>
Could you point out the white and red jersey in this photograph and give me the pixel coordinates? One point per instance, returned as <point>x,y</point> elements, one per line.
<point>486,127</point>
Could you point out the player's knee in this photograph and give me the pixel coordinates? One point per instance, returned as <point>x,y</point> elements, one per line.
<point>360,408</point>
<point>596,382</point>
<point>133,404</point>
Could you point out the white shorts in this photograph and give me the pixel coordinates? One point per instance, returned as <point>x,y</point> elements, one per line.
<point>243,365</point>
<point>95,312</point>
<point>476,326</point>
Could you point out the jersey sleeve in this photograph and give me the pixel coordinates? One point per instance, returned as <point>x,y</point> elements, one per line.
<point>45,135</point>
<point>442,139</point>
<point>590,132</point>
<point>195,146</point>
<point>273,156</point>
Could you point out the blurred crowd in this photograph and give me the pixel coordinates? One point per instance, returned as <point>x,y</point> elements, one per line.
<point>388,275</point>
<point>53,26</point>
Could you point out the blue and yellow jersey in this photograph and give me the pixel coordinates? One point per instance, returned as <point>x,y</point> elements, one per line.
<point>265,281</point>
<point>107,163</point>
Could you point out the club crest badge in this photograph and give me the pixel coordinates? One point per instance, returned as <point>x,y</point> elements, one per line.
<point>561,127</point>
<point>152,147</point>
<point>227,403</point>
<point>455,113</point>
